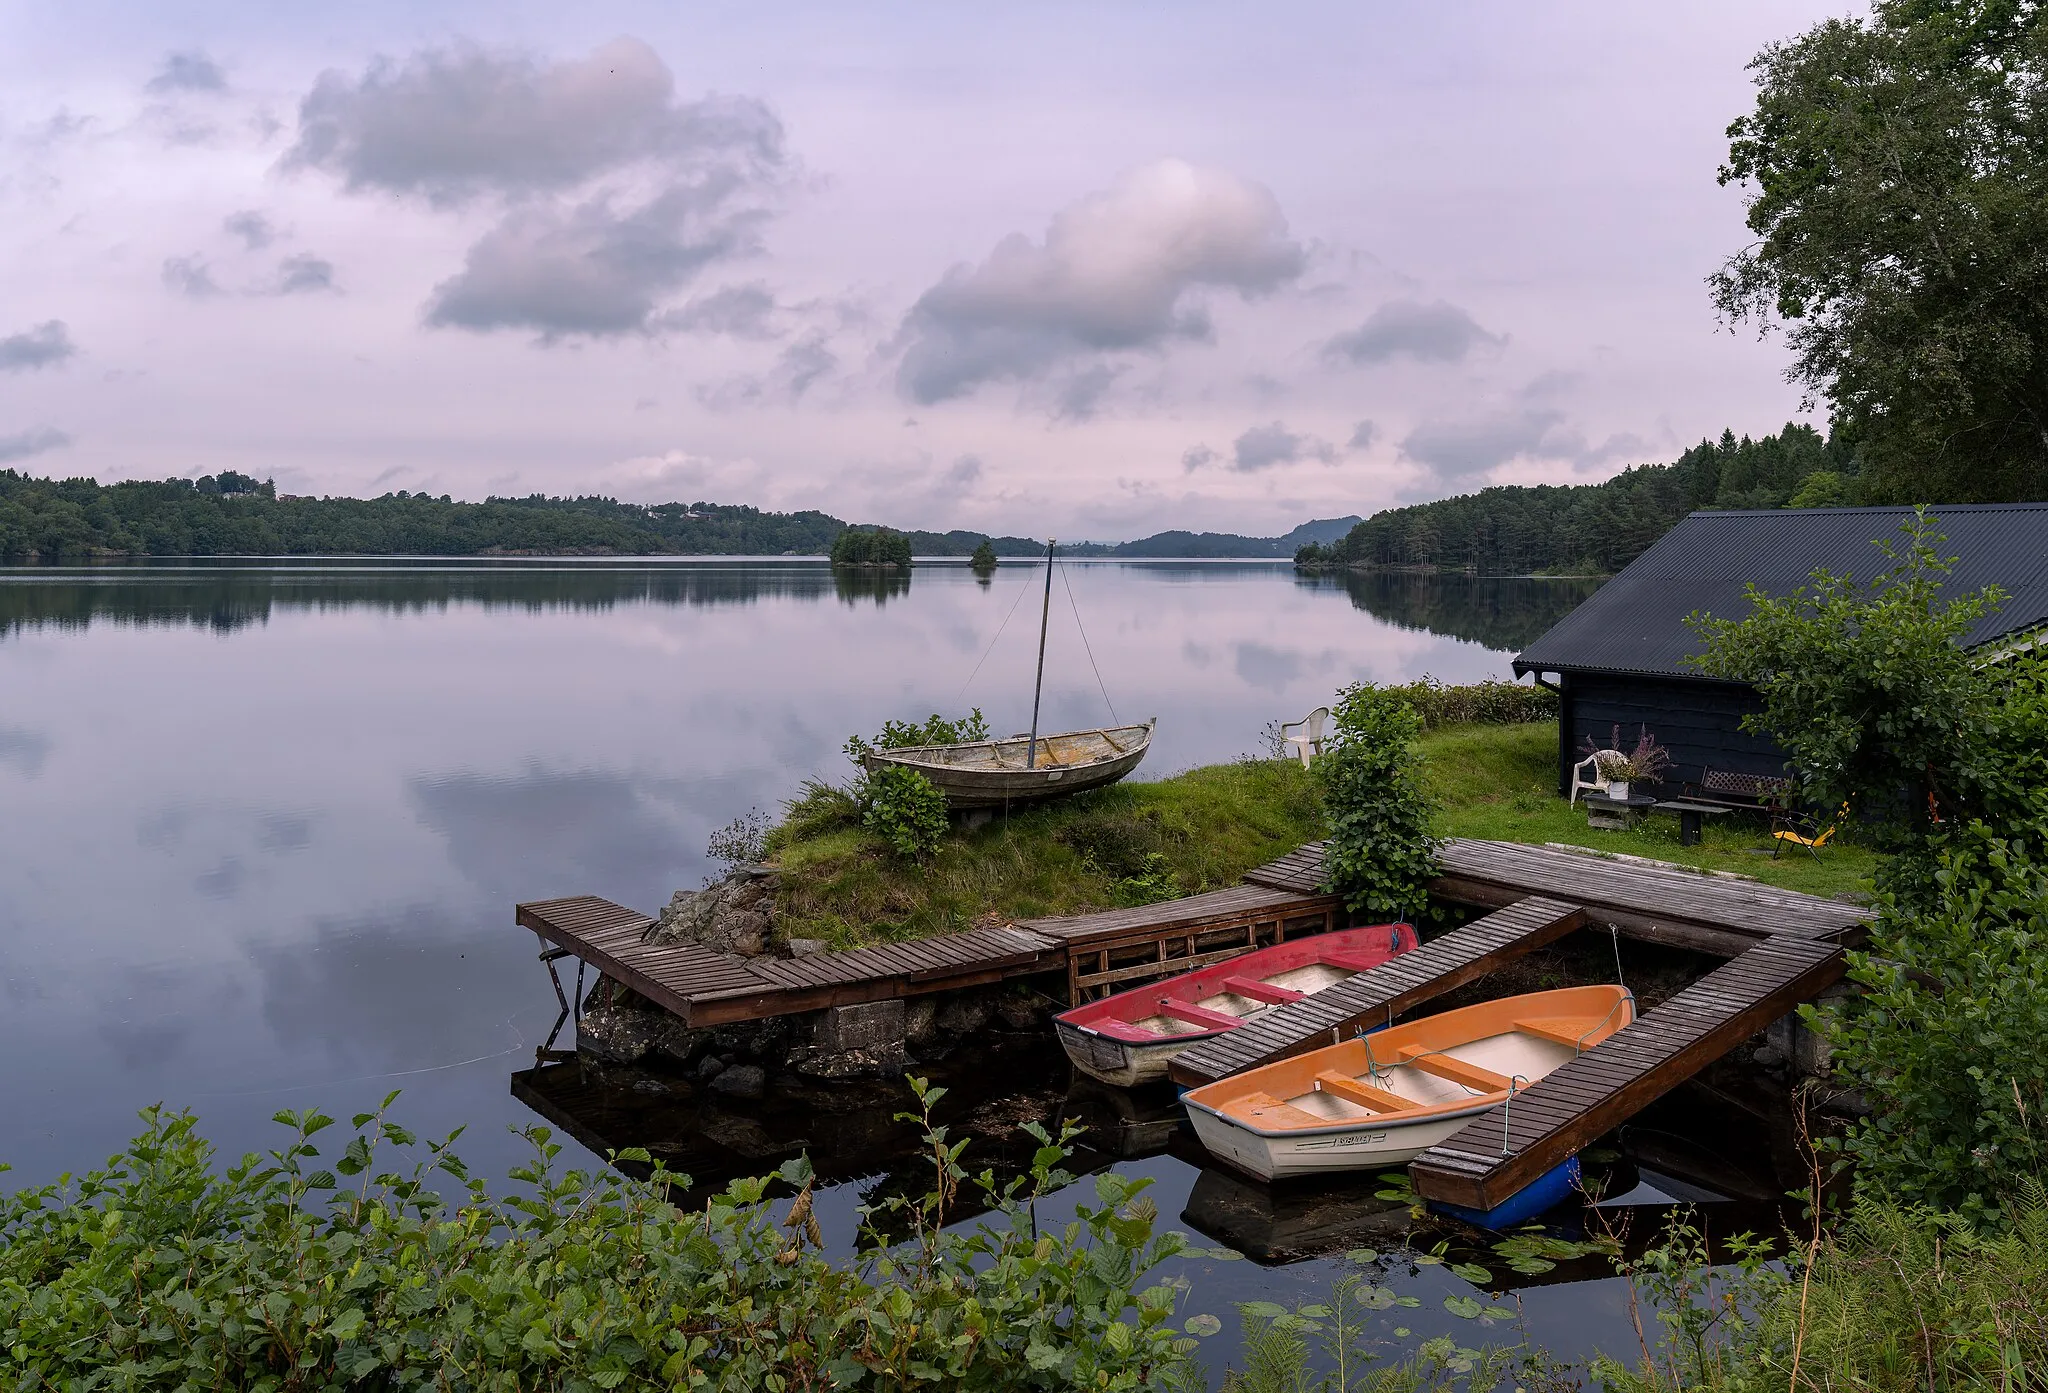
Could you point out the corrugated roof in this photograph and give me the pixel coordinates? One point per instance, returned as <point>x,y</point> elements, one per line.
<point>1636,621</point>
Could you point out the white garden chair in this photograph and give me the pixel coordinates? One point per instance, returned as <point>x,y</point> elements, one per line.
<point>1587,776</point>
<point>1307,734</point>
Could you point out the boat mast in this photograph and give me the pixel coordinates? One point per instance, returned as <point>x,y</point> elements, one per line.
<point>1038,688</point>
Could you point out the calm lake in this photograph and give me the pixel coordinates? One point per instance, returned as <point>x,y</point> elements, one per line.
<point>266,823</point>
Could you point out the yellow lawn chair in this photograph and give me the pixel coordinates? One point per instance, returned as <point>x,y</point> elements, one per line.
<point>1790,828</point>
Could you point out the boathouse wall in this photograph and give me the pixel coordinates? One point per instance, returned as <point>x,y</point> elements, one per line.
<point>1698,721</point>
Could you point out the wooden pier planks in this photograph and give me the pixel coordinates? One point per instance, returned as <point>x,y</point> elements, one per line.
<point>1495,1156</point>
<point>1713,914</point>
<point>704,988</point>
<point>1376,996</point>
<point>1117,948</point>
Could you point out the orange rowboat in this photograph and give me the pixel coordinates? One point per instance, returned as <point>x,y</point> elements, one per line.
<point>1381,1099</point>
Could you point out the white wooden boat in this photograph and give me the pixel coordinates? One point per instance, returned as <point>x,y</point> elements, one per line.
<point>1380,1100</point>
<point>999,773</point>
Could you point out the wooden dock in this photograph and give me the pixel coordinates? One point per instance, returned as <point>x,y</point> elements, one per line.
<point>1495,1156</point>
<point>1117,948</point>
<point>1706,913</point>
<point>1376,996</point>
<point>703,988</point>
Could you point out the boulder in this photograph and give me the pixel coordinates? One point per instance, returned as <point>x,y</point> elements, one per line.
<point>625,1034</point>
<point>741,1081</point>
<point>734,916</point>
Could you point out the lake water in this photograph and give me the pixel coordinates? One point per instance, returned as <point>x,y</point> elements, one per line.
<point>265,824</point>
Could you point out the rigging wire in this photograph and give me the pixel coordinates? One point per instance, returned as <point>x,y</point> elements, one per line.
<point>1090,651</point>
<point>1022,590</point>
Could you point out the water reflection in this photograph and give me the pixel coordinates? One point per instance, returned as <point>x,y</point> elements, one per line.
<point>1506,612</point>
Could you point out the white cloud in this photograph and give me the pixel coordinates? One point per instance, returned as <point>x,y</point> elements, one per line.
<point>1263,447</point>
<point>192,71</point>
<point>22,444</point>
<point>46,345</point>
<point>1116,271</point>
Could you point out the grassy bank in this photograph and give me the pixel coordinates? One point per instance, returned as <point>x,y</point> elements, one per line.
<point>1136,843</point>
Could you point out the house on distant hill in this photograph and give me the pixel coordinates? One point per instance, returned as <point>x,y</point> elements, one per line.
<point>1619,658</point>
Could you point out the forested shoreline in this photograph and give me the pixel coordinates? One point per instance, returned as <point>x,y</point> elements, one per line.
<point>1591,529</point>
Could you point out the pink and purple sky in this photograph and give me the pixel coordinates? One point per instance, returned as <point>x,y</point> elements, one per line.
<point>1084,269</point>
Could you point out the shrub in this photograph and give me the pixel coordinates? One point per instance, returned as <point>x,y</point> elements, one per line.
<point>741,842</point>
<point>1381,854</point>
<point>984,558</point>
<point>933,730</point>
<point>163,1271</point>
<point>1491,702</point>
<point>905,808</point>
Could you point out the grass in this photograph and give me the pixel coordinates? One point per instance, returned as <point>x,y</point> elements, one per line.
<point>1133,843</point>
<point>1500,782</point>
<point>1136,843</point>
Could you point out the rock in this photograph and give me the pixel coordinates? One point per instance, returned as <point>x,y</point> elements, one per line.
<point>804,947</point>
<point>710,1067</point>
<point>1018,1012</point>
<point>872,1025</point>
<point>625,1034</point>
<point>733,916</point>
<point>964,1015</point>
<point>1768,1057</point>
<point>921,1021</point>
<point>741,1081</point>
<point>883,1061</point>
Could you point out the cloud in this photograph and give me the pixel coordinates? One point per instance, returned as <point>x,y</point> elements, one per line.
<point>46,345</point>
<point>188,72</point>
<point>1477,442</point>
<point>1438,332</point>
<point>1362,436</point>
<point>456,123</point>
<point>742,311</point>
<point>191,277</point>
<point>1115,272</point>
<point>302,274</point>
<point>1262,447</point>
<point>965,473</point>
<point>614,193</point>
<point>255,230</point>
<point>799,366</point>
<point>1083,391</point>
<point>31,442</point>
<point>589,269</point>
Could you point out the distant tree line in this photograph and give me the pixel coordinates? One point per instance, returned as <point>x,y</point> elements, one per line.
<point>1520,529</point>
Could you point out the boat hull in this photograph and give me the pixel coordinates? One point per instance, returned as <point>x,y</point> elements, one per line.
<point>1119,1063</point>
<point>1384,1147</point>
<point>992,773</point>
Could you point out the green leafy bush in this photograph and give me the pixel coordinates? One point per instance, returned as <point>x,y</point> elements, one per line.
<point>905,808</point>
<point>1490,702</point>
<point>1381,854</point>
<point>933,730</point>
<point>163,1271</point>
<point>984,558</point>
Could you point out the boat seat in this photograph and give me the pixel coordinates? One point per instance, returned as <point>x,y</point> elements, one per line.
<point>1198,1015</point>
<point>1353,962</point>
<point>1456,1070</point>
<point>1273,1110</point>
<point>1364,1094</point>
<point>1570,1031</point>
<point>1253,988</point>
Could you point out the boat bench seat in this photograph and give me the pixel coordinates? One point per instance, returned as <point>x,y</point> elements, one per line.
<point>1357,1091</point>
<point>1256,990</point>
<point>1268,1109</point>
<point>1353,962</point>
<point>1198,1015</point>
<point>1456,1070</point>
<point>1124,1031</point>
<point>1570,1031</point>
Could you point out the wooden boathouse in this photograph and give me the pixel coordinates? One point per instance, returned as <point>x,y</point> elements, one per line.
<point>1622,657</point>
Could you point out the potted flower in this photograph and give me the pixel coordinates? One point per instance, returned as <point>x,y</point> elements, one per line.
<point>1616,768</point>
<point>1646,763</point>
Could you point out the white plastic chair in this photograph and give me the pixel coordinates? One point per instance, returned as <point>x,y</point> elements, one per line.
<point>1586,775</point>
<point>1308,734</point>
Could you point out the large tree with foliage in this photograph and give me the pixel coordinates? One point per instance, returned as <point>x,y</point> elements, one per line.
<point>1899,174</point>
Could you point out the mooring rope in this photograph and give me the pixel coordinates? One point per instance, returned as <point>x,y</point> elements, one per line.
<point>1085,646</point>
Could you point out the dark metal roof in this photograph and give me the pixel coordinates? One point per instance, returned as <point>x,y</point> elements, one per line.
<point>1636,621</point>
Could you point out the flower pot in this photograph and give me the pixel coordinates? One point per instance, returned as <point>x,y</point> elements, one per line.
<point>1617,788</point>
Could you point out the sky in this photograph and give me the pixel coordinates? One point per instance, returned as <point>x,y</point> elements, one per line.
<point>1087,270</point>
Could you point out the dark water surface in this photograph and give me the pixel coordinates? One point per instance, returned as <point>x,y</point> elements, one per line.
<point>265,825</point>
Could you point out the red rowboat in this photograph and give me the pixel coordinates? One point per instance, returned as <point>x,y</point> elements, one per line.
<point>1127,1039</point>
